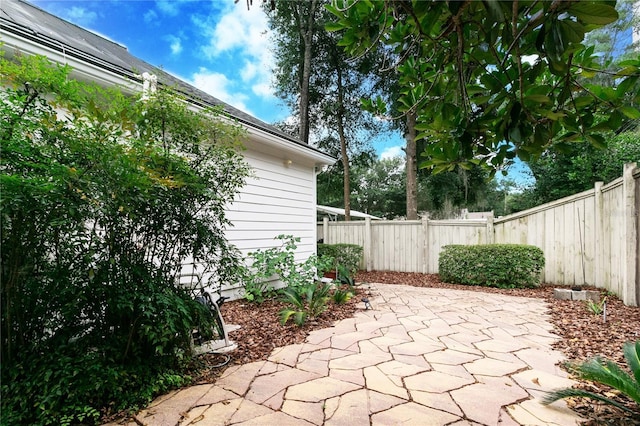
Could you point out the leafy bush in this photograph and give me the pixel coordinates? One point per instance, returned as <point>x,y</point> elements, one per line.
<point>277,263</point>
<point>307,297</point>
<point>99,210</point>
<point>608,373</point>
<point>494,265</point>
<point>345,276</point>
<point>347,256</point>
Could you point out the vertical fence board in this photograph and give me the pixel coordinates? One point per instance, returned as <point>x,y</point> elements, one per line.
<point>589,236</point>
<point>549,246</point>
<point>636,183</point>
<point>608,254</point>
<point>614,214</point>
<point>630,235</point>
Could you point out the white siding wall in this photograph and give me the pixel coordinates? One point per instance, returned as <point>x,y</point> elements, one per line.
<point>278,199</point>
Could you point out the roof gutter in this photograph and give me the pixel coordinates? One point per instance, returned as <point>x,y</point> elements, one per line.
<point>85,67</point>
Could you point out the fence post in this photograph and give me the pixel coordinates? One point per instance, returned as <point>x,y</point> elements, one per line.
<point>425,245</point>
<point>367,244</point>
<point>630,282</point>
<point>490,235</point>
<point>325,230</point>
<point>599,234</point>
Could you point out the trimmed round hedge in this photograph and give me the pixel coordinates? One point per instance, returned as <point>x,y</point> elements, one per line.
<point>492,265</point>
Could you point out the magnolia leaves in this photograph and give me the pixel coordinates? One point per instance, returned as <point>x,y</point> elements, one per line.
<point>493,80</point>
<point>564,33</point>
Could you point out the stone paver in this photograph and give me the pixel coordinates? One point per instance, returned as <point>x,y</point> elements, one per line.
<point>319,389</point>
<point>215,414</point>
<point>383,383</point>
<point>349,409</point>
<point>493,367</point>
<point>310,411</point>
<point>421,356</point>
<point>439,401</point>
<point>451,357</point>
<point>412,414</point>
<point>265,387</point>
<point>435,381</point>
<point>481,402</point>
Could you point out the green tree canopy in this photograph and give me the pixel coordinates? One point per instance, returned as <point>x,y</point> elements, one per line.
<point>381,188</point>
<point>492,80</point>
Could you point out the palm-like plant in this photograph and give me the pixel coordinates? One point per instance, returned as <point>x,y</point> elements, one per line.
<point>341,297</point>
<point>308,301</point>
<point>608,373</point>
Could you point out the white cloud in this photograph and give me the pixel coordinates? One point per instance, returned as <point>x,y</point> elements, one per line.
<point>168,7</point>
<point>243,34</point>
<point>219,86</point>
<point>239,28</point>
<point>263,90</point>
<point>249,71</point>
<point>174,43</point>
<point>80,15</point>
<point>150,16</point>
<point>392,152</point>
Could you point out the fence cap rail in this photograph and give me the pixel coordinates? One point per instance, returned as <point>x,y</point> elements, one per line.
<point>469,222</point>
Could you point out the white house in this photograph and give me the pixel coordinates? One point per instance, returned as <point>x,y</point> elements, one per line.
<point>279,199</point>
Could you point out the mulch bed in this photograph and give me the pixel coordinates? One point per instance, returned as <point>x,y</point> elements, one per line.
<point>584,334</point>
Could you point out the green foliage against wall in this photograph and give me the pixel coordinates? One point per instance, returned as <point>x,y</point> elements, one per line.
<point>493,265</point>
<point>277,264</point>
<point>98,211</point>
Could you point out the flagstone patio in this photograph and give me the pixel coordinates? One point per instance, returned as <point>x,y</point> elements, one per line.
<point>421,356</point>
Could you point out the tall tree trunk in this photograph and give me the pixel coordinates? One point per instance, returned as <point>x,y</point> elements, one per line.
<point>306,32</point>
<point>412,170</point>
<point>343,150</point>
<point>345,165</point>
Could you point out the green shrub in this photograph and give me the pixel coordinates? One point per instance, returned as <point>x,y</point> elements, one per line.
<point>279,263</point>
<point>346,255</point>
<point>66,385</point>
<point>493,265</point>
<point>98,214</point>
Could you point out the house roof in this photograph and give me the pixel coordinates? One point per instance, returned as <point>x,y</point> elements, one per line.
<point>35,25</point>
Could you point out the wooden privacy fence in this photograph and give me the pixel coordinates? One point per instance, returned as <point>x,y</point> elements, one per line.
<point>588,238</point>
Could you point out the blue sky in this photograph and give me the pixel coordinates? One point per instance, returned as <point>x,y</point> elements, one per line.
<point>219,46</point>
<point>216,45</point>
